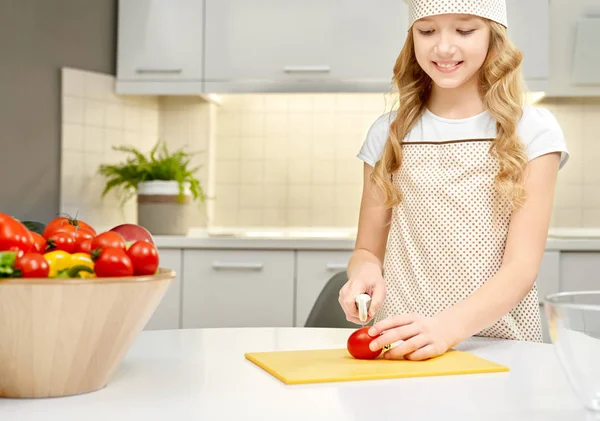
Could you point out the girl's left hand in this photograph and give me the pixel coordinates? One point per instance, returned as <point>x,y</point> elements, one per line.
<point>423,337</point>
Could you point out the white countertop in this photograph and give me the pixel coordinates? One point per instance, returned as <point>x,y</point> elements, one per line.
<point>203,375</point>
<point>561,239</point>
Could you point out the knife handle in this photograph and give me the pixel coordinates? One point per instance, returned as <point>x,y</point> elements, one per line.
<point>363,302</point>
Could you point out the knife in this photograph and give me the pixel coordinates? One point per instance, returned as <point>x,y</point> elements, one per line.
<point>363,302</point>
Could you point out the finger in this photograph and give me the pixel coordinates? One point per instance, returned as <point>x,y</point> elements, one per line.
<point>391,322</point>
<point>377,297</point>
<point>402,333</point>
<point>412,345</point>
<point>427,352</point>
<point>349,298</point>
<point>342,299</point>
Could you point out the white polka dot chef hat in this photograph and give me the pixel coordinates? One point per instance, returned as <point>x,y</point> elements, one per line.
<point>491,9</point>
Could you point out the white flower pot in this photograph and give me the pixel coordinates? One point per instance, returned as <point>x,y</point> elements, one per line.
<point>160,210</point>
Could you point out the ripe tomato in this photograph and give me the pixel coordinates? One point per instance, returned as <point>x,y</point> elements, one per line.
<point>39,242</point>
<point>33,265</point>
<point>64,241</point>
<point>358,344</point>
<point>14,236</point>
<point>80,233</point>
<point>108,239</point>
<point>85,246</point>
<point>113,262</point>
<point>65,221</point>
<point>144,257</point>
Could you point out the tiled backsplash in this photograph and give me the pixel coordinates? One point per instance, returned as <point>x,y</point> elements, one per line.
<point>577,200</point>
<point>94,120</point>
<point>290,160</point>
<point>272,160</point>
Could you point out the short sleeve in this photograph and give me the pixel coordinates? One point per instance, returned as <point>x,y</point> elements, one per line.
<point>377,136</point>
<point>541,134</point>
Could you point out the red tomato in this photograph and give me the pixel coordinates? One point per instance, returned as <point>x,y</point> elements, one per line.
<point>358,344</point>
<point>85,246</point>
<point>62,241</point>
<point>144,257</point>
<point>108,239</point>
<point>79,232</point>
<point>63,221</point>
<point>33,265</point>
<point>39,242</point>
<point>113,262</point>
<point>14,236</point>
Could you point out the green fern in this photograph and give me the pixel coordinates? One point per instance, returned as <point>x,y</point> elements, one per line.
<point>160,164</point>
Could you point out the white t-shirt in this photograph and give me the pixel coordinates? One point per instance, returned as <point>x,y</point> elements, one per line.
<point>538,129</point>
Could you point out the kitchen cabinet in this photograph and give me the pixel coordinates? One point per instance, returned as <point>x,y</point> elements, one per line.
<point>313,269</point>
<point>548,282</point>
<point>238,288</point>
<point>580,271</point>
<point>160,46</point>
<point>313,45</point>
<point>574,53</point>
<point>528,27</point>
<point>167,314</point>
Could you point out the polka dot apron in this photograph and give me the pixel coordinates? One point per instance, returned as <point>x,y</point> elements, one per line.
<point>448,234</point>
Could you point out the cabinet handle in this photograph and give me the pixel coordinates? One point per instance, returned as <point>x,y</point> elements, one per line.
<point>337,266</point>
<point>307,69</point>
<point>159,70</point>
<point>251,266</point>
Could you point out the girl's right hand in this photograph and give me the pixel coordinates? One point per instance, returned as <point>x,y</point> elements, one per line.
<point>367,281</point>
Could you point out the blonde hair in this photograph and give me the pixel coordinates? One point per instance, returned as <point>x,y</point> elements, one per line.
<point>502,93</point>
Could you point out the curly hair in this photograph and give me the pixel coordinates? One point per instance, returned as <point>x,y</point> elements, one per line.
<point>502,92</point>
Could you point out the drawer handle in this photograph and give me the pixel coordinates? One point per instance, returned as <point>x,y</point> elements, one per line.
<point>306,69</point>
<point>159,70</point>
<point>337,266</point>
<point>251,266</point>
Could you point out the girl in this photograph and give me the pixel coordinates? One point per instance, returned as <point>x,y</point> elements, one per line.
<point>458,189</point>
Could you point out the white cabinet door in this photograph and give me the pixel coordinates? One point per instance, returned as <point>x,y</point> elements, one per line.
<point>580,271</point>
<point>548,282</point>
<point>167,314</point>
<point>528,27</point>
<point>238,288</point>
<point>313,45</point>
<point>313,270</point>
<point>160,40</point>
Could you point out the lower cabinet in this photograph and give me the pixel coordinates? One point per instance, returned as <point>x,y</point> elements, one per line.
<point>238,288</point>
<point>313,270</point>
<point>278,288</point>
<point>167,314</point>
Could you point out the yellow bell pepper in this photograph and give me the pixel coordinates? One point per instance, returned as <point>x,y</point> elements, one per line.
<point>63,264</point>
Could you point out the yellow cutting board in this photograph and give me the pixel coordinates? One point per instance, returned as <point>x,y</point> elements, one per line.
<point>337,365</point>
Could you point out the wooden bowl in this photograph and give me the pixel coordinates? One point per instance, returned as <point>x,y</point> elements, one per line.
<point>61,337</point>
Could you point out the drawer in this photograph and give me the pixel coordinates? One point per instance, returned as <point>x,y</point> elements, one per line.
<point>238,288</point>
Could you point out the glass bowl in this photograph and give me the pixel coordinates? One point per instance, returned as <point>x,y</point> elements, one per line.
<point>574,327</point>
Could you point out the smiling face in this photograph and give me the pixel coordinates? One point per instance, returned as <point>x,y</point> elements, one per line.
<point>451,48</point>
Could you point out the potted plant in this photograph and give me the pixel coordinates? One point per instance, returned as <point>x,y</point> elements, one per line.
<point>163,183</point>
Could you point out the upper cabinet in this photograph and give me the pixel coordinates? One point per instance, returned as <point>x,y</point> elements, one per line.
<point>160,45</point>
<point>313,45</point>
<point>213,46</point>
<point>575,51</point>
<point>528,28</point>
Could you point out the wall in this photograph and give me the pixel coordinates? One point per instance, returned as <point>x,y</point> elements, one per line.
<point>94,120</point>
<point>37,38</point>
<point>577,202</point>
<point>290,160</point>
<point>272,160</point>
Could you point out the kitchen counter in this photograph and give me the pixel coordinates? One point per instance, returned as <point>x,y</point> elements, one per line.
<point>558,240</point>
<point>203,375</point>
